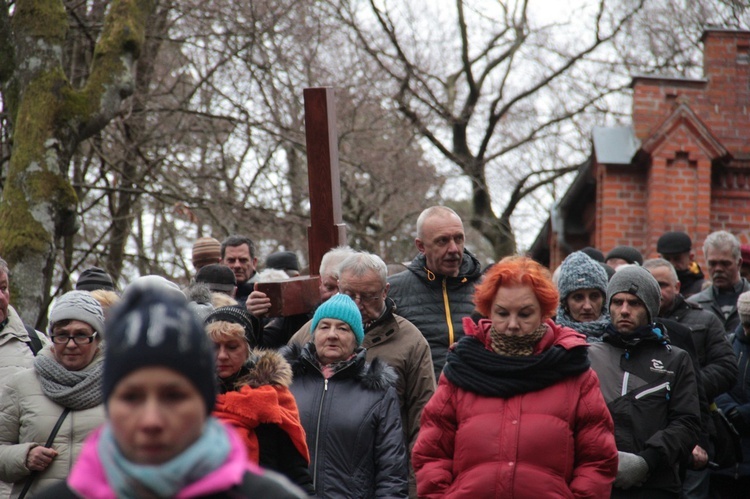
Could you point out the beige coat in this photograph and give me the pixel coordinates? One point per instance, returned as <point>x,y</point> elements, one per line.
<point>27,418</point>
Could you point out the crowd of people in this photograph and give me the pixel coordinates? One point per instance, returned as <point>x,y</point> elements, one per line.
<point>614,376</point>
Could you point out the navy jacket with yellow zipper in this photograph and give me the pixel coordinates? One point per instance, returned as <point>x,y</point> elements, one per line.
<point>436,304</point>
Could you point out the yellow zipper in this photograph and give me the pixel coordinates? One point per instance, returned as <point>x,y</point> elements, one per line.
<point>447,311</point>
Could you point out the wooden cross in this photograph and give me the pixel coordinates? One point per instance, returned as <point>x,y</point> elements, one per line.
<point>326,231</point>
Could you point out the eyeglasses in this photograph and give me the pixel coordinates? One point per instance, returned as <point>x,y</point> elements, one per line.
<point>363,297</point>
<point>79,339</point>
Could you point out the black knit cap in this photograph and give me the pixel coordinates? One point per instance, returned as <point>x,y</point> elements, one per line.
<point>671,243</point>
<point>94,278</point>
<point>152,327</point>
<point>217,278</point>
<point>237,315</point>
<point>627,253</point>
<point>594,254</point>
<point>282,260</point>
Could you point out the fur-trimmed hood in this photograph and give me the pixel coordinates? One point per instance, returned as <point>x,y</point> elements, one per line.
<point>375,375</point>
<point>266,367</point>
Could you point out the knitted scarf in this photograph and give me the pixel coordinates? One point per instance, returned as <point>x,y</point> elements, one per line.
<point>77,390</point>
<point>469,365</point>
<point>516,346</point>
<point>130,480</point>
<point>593,329</point>
<point>249,407</point>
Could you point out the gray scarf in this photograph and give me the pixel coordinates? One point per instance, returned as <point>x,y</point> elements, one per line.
<point>76,390</point>
<point>593,330</point>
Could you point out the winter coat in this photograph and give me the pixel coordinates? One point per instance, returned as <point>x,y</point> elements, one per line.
<point>718,363</point>
<point>399,344</point>
<point>556,441</point>
<point>237,477</point>
<point>707,301</point>
<point>27,417</point>
<point>651,391</point>
<point>15,354</point>
<point>264,413</point>
<point>739,398</point>
<point>436,304</point>
<point>353,426</point>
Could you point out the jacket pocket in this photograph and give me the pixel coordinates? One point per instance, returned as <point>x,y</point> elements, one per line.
<point>663,387</point>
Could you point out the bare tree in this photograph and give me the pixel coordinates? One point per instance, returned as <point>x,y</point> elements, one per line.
<point>488,86</point>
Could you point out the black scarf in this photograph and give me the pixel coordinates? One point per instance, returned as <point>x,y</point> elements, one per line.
<point>472,367</point>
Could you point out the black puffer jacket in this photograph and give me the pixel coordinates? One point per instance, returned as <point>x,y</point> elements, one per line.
<point>717,360</point>
<point>353,426</point>
<point>436,304</point>
<point>650,389</point>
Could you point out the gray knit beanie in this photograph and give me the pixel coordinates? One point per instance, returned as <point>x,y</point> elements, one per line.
<point>743,307</point>
<point>579,271</point>
<point>80,306</point>
<point>639,282</point>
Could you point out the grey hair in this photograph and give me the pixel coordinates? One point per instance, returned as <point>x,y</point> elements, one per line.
<point>431,212</point>
<point>722,239</point>
<point>329,264</point>
<point>655,263</point>
<point>362,262</point>
<point>4,267</point>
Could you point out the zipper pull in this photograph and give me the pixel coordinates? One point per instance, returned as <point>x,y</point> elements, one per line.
<point>669,389</point>
<point>325,385</point>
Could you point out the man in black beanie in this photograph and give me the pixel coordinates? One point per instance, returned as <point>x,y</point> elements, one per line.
<point>650,389</point>
<point>677,248</point>
<point>94,278</point>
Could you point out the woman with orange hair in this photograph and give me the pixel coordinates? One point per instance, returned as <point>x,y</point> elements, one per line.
<point>517,412</point>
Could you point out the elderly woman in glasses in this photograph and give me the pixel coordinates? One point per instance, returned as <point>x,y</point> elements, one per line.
<point>64,385</point>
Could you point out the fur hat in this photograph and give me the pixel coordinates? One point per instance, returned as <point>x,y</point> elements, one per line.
<point>627,253</point>
<point>343,308</point>
<point>80,306</point>
<point>743,307</point>
<point>153,326</point>
<point>639,282</point>
<point>579,271</point>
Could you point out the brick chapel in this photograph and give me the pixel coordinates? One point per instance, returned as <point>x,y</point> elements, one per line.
<point>683,164</point>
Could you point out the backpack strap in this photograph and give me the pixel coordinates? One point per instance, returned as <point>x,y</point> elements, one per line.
<point>35,344</point>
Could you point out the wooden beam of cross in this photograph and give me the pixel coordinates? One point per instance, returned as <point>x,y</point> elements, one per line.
<point>326,230</point>
<point>300,294</point>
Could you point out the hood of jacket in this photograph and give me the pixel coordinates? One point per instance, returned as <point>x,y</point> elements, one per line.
<point>266,367</point>
<point>470,270</point>
<point>375,375</point>
<point>14,328</point>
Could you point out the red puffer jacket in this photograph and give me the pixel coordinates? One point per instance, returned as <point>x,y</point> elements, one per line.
<point>553,442</point>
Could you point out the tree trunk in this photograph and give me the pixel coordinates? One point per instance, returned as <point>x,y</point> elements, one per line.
<point>49,119</point>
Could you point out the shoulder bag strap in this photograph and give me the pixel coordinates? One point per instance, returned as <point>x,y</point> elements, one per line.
<point>51,439</point>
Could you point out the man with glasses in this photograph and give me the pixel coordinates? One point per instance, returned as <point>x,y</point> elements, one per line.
<point>389,337</point>
<point>722,253</point>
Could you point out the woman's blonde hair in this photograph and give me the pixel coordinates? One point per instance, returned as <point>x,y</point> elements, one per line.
<point>225,331</point>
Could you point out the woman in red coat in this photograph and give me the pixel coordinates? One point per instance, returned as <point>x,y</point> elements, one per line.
<point>518,412</point>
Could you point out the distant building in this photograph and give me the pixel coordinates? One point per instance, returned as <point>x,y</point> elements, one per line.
<point>684,163</point>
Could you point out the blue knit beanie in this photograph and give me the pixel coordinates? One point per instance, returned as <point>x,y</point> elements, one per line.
<point>579,271</point>
<point>343,308</point>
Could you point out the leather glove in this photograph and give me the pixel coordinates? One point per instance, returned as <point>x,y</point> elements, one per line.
<point>632,471</point>
<point>735,417</point>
